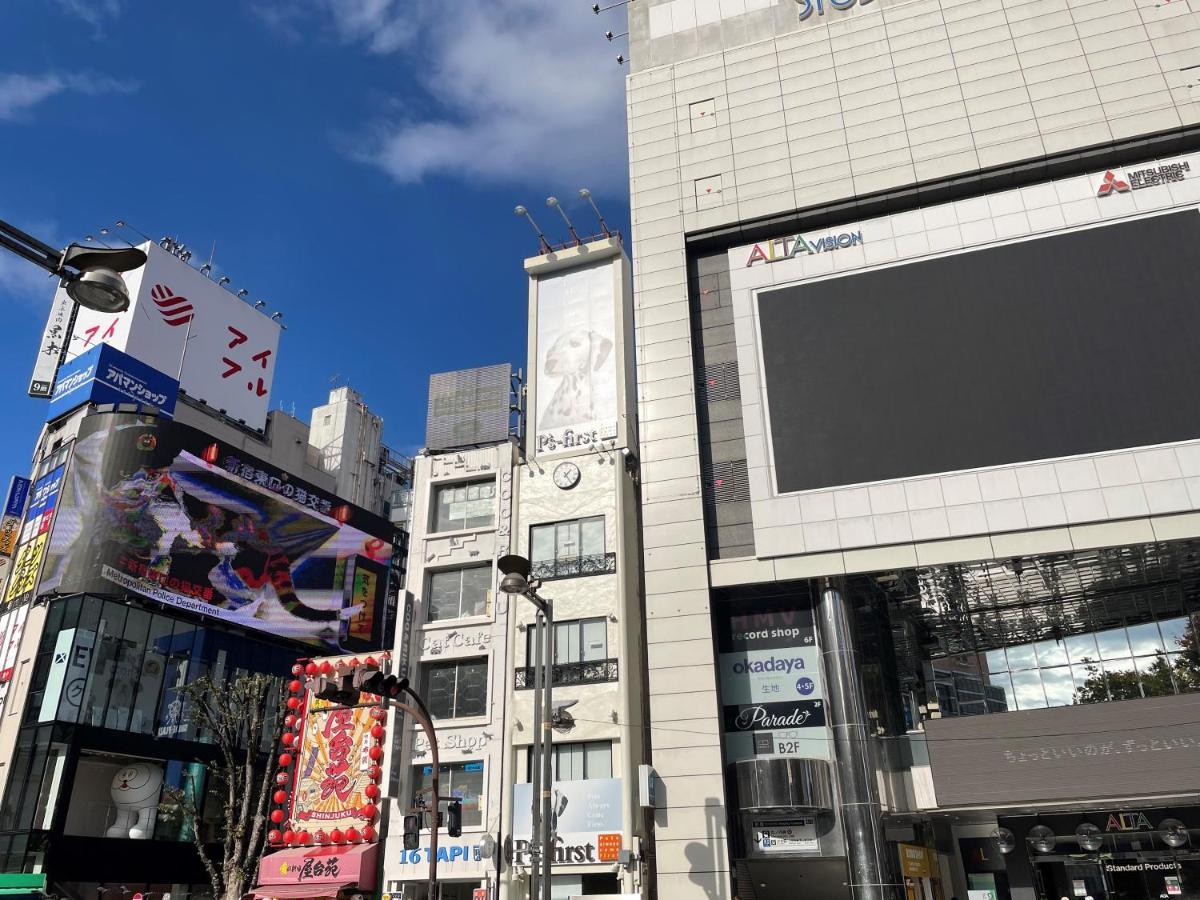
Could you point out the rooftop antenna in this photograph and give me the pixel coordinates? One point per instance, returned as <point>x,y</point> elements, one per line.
<point>211,254</point>
<point>585,194</point>
<point>554,204</point>
<point>543,244</point>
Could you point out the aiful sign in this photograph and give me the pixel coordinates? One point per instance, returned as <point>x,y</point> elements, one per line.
<point>790,247</point>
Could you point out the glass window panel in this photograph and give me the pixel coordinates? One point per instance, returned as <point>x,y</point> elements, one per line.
<point>541,543</point>
<point>599,759</point>
<point>476,583</point>
<point>1113,644</point>
<point>1059,686</point>
<point>593,536</point>
<point>104,664</point>
<point>1122,679</point>
<point>1051,653</point>
<point>1027,687</point>
<point>1185,672</point>
<point>468,505</point>
<point>129,667</point>
<point>1156,675</point>
<point>1089,684</point>
<point>595,640</point>
<point>441,690</point>
<point>1082,647</point>
<point>1021,656</point>
<point>1173,633</point>
<point>568,759</point>
<point>566,537</point>
<point>154,665</point>
<point>472,689</point>
<point>466,783</point>
<point>1144,639</point>
<point>996,661</point>
<point>444,590</point>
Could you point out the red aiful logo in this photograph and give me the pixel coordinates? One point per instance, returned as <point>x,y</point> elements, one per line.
<point>175,310</point>
<point>1112,183</point>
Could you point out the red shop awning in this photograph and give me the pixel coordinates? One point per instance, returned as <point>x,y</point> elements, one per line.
<point>321,871</point>
<point>298,891</point>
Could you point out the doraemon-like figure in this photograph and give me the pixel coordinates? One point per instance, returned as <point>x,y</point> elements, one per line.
<point>135,792</point>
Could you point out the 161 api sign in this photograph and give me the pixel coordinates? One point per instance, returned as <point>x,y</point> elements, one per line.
<point>106,375</point>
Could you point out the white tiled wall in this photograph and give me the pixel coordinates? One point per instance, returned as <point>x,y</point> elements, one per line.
<point>1118,485</point>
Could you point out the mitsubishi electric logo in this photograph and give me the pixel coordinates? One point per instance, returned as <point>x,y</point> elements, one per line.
<point>1143,178</point>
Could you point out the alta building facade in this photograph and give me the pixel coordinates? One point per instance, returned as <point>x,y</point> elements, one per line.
<point>918,458</point>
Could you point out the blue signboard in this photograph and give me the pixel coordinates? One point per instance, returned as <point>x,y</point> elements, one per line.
<point>106,375</point>
<point>18,492</point>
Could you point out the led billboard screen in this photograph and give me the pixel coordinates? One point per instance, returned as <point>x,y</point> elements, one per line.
<point>166,511</point>
<point>1076,343</point>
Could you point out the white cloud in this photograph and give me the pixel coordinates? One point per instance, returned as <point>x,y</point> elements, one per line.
<point>94,12</point>
<point>525,91</point>
<point>21,280</point>
<point>20,93</point>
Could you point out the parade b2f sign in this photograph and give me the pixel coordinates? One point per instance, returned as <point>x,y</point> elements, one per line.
<point>169,512</point>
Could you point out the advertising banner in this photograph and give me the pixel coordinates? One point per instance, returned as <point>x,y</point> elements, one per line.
<point>586,821</point>
<point>181,321</point>
<point>576,368</point>
<point>773,701</point>
<point>332,768</point>
<point>54,340</point>
<point>106,375</point>
<point>12,628</point>
<point>14,508</point>
<point>34,534</point>
<point>166,511</point>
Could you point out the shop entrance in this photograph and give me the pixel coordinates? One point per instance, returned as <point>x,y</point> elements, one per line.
<point>1126,876</point>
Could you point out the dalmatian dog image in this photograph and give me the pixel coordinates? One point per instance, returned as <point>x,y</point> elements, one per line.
<point>572,359</point>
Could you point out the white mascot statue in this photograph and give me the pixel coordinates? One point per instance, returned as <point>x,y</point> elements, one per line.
<point>135,791</point>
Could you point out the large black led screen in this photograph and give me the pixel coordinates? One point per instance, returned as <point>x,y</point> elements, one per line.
<point>1082,342</point>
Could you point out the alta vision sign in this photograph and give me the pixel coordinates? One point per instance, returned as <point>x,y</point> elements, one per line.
<point>808,7</point>
<point>783,248</point>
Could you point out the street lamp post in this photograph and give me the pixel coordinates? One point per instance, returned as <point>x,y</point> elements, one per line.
<point>516,580</point>
<point>91,276</point>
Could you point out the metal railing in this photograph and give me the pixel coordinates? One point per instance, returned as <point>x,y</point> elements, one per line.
<point>575,566</point>
<point>563,674</point>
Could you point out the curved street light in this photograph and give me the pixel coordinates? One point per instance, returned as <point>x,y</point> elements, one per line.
<point>91,276</point>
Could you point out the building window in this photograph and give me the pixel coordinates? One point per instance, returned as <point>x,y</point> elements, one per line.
<point>463,780</point>
<point>580,654</point>
<point>577,761</point>
<point>459,593</point>
<point>466,504</point>
<point>570,549</point>
<point>457,690</point>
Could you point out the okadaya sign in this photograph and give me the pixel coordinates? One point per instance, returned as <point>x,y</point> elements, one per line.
<point>106,375</point>
<point>586,821</point>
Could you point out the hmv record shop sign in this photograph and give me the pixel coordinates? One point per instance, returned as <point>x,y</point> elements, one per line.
<point>772,695</point>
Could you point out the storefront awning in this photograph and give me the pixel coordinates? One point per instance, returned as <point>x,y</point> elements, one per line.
<point>297,891</point>
<point>317,871</point>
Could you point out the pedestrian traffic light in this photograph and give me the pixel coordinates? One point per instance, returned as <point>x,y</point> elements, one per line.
<point>389,687</point>
<point>412,832</point>
<point>454,818</point>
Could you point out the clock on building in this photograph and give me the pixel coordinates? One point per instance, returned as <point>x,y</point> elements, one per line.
<point>566,475</point>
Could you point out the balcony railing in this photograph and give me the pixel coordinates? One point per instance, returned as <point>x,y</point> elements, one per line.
<point>596,672</point>
<point>575,566</point>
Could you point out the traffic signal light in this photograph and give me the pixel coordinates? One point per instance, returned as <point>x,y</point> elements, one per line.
<point>412,832</point>
<point>338,689</point>
<point>389,687</point>
<point>454,818</point>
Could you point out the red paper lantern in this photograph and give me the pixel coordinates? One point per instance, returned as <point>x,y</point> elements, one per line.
<point>297,669</point>
<point>296,686</point>
<point>282,777</point>
<point>371,790</point>
<point>352,835</point>
<point>371,661</point>
<point>378,714</point>
<point>293,702</point>
<point>374,773</point>
<point>377,731</point>
<point>368,812</point>
<point>311,669</point>
<point>277,816</point>
<point>280,796</point>
<point>336,836</point>
<point>274,836</point>
<point>289,720</point>
<point>285,759</point>
<point>376,753</point>
<point>304,837</point>
<point>322,837</point>
<point>325,668</point>
<point>288,738</point>
<point>368,833</point>
<point>289,837</point>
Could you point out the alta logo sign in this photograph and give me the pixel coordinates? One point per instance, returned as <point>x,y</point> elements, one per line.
<point>791,247</point>
<point>1128,821</point>
<point>1143,178</point>
<point>175,310</point>
<point>808,7</point>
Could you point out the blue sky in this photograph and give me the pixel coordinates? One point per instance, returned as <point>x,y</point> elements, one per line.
<point>355,161</point>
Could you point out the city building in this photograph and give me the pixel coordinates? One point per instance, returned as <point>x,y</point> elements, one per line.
<point>176,529</point>
<point>917,448</point>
